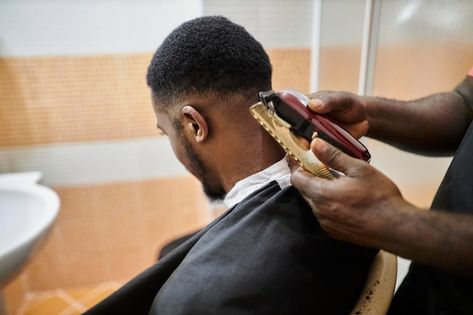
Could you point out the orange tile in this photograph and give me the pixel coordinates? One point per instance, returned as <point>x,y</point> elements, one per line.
<point>95,296</point>
<point>48,99</point>
<point>168,211</point>
<point>339,68</point>
<point>113,231</point>
<point>82,292</point>
<point>48,306</point>
<point>291,68</point>
<point>44,95</point>
<point>69,301</point>
<point>393,62</point>
<point>15,292</point>
<point>59,263</point>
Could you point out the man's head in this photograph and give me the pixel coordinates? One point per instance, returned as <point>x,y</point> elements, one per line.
<point>203,78</point>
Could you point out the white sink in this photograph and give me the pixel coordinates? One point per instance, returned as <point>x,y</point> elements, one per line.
<point>27,211</point>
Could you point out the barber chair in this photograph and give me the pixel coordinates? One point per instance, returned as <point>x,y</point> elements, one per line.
<point>379,288</point>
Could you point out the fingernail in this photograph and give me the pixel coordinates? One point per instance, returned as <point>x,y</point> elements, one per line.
<point>288,160</point>
<point>320,145</point>
<point>318,103</point>
<point>292,164</point>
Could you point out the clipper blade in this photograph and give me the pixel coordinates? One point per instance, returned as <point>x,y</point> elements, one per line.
<point>281,132</point>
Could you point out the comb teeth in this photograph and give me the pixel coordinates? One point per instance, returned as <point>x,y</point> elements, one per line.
<point>325,173</point>
<point>319,170</point>
<point>279,141</point>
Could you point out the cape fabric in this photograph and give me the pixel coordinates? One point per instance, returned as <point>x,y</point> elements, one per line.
<point>426,290</point>
<point>266,255</point>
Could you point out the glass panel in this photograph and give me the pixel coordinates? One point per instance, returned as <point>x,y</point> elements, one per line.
<point>423,46</point>
<point>276,24</point>
<point>340,45</point>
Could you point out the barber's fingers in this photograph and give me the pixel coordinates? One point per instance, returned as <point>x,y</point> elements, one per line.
<point>312,188</point>
<point>336,159</point>
<point>318,106</point>
<point>331,101</point>
<point>293,165</point>
<point>346,109</point>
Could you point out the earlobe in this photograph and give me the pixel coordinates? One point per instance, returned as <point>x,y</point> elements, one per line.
<point>195,123</point>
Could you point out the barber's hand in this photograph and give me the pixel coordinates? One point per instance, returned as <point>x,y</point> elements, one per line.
<point>347,109</point>
<point>357,207</point>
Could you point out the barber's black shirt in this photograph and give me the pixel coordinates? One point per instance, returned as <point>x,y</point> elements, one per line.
<point>426,290</point>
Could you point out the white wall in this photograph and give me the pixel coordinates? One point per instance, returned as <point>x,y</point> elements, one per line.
<point>68,27</point>
<point>275,23</point>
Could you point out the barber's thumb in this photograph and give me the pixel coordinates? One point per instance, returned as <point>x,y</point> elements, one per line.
<point>318,105</point>
<point>333,157</point>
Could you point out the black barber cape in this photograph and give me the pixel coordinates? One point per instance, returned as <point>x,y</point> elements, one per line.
<point>266,255</point>
<point>426,290</point>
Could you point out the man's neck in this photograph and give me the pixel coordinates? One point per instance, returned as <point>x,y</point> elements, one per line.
<point>253,156</point>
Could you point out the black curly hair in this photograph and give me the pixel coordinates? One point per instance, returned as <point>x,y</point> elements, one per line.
<point>209,54</point>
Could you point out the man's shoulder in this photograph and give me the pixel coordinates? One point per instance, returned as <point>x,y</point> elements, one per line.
<point>272,195</point>
<point>281,209</point>
<point>268,246</point>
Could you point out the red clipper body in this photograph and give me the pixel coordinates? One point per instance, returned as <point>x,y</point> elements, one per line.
<point>292,107</point>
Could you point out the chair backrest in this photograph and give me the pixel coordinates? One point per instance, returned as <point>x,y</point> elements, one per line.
<point>379,288</point>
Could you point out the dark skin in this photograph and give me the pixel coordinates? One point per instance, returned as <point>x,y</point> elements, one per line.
<point>365,207</point>
<point>219,132</point>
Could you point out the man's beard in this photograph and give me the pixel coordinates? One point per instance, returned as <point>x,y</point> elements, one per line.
<point>201,173</point>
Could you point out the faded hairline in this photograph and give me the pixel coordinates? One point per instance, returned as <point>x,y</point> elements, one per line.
<point>171,104</point>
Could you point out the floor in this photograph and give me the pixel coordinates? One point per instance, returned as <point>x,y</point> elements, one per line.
<point>71,301</point>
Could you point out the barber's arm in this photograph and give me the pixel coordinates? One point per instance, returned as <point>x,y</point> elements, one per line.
<point>365,207</point>
<point>433,125</point>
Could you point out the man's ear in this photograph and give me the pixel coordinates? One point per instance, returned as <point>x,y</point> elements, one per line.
<point>194,123</point>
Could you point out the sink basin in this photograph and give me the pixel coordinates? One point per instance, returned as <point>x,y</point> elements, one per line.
<point>27,211</point>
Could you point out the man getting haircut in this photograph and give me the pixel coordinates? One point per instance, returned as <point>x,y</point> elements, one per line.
<point>267,254</point>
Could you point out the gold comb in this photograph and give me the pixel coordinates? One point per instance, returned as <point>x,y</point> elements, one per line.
<point>280,131</point>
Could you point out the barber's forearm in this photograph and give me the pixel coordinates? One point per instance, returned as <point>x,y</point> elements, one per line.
<point>439,239</point>
<point>432,126</point>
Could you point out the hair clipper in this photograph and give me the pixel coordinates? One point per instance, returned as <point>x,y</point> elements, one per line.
<point>286,117</point>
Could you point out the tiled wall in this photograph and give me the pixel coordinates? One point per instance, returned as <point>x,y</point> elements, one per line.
<point>113,231</point>
<point>49,100</point>
<point>64,99</point>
